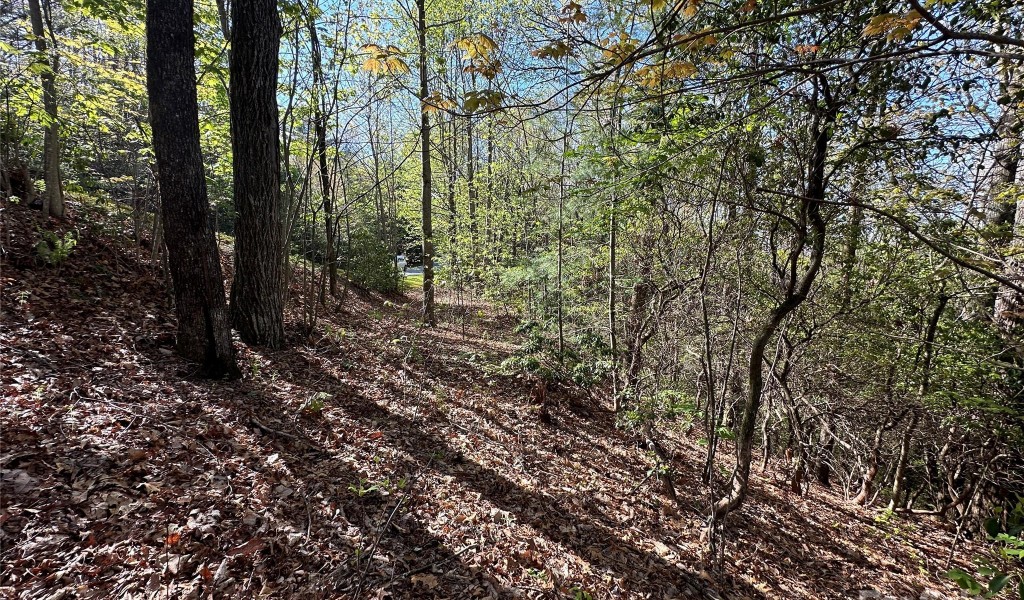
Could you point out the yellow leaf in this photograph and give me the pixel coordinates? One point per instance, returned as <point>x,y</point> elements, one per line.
<point>879,24</point>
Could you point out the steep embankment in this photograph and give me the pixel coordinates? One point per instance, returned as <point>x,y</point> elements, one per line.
<point>374,459</point>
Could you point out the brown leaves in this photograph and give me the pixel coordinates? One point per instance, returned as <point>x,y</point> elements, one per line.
<point>479,51</point>
<point>249,548</point>
<point>556,50</point>
<point>384,60</point>
<point>572,12</point>
<point>137,481</point>
<point>894,26</point>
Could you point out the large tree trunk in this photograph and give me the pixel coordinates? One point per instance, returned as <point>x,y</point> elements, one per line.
<point>1009,308</point>
<point>53,199</point>
<point>204,332</point>
<point>1004,216</point>
<point>257,293</point>
<point>425,192</point>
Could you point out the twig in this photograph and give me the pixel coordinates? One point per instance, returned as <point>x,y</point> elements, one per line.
<point>266,429</point>
<point>384,528</point>
<point>430,566</point>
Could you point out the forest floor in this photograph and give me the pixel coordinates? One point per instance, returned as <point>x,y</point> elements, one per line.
<point>372,459</point>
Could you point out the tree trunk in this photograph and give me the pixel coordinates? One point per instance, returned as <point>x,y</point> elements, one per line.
<point>204,332</point>
<point>474,227</point>
<point>1009,308</point>
<point>899,477</point>
<point>425,193</point>
<point>1003,215</point>
<point>320,143</point>
<point>898,482</point>
<point>826,448</point>
<point>53,199</point>
<point>798,287</point>
<point>257,293</point>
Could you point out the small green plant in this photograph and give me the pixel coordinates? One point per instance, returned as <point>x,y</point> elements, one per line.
<point>1002,567</point>
<point>54,250</point>
<point>315,404</point>
<point>363,487</point>
<point>337,335</point>
<point>369,263</point>
<point>885,517</point>
<point>665,405</point>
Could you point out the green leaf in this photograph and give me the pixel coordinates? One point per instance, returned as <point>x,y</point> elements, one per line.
<point>965,581</point>
<point>992,527</point>
<point>996,584</point>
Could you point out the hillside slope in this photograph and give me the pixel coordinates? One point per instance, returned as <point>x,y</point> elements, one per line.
<point>374,459</point>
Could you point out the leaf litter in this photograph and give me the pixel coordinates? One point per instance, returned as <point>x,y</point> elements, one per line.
<point>370,459</point>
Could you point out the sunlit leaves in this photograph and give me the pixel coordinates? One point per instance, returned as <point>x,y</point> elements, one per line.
<point>618,47</point>
<point>690,8</point>
<point>482,100</point>
<point>893,26</point>
<point>655,75</point>
<point>478,45</point>
<point>435,102</point>
<point>383,60</point>
<point>556,50</point>
<point>478,50</point>
<point>572,12</point>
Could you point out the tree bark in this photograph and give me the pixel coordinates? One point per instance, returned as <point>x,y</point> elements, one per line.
<point>1009,308</point>
<point>1004,216</point>
<point>53,199</point>
<point>425,192</point>
<point>204,332</point>
<point>257,292</point>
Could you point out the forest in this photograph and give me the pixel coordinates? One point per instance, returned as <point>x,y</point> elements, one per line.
<point>575,299</point>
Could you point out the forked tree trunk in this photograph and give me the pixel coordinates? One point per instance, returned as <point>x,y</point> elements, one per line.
<point>204,332</point>
<point>797,289</point>
<point>257,292</point>
<point>899,478</point>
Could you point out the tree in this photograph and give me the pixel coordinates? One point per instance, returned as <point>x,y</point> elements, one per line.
<point>257,292</point>
<point>425,174</point>
<point>320,142</point>
<point>204,332</point>
<point>53,199</point>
